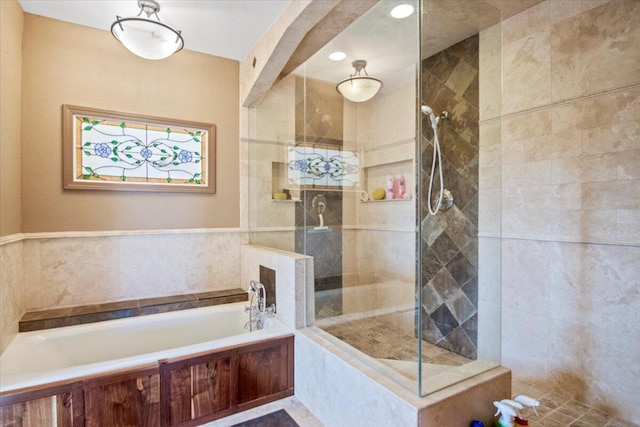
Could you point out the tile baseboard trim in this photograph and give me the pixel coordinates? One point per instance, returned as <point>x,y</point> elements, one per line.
<point>13,238</point>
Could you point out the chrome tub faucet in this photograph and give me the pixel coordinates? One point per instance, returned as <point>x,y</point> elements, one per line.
<point>257,307</point>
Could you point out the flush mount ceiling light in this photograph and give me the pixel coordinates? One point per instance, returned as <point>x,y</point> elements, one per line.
<point>337,56</point>
<point>145,37</point>
<point>402,9</point>
<point>358,88</point>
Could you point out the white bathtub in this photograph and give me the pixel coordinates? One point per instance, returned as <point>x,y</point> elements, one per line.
<point>46,356</point>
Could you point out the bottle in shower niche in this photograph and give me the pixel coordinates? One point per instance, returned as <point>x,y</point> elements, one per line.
<point>390,184</point>
<point>399,187</point>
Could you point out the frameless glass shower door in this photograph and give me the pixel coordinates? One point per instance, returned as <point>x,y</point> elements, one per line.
<point>412,294</point>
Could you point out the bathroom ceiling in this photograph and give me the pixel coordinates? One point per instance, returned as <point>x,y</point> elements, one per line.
<point>226,28</point>
<point>229,28</point>
<point>390,45</point>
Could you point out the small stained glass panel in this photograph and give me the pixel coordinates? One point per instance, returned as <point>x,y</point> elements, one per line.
<point>319,166</point>
<point>120,151</point>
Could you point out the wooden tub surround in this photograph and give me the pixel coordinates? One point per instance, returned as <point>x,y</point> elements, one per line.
<point>185,391</point>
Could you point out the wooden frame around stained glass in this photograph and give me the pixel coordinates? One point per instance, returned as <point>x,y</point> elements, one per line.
<point>108,150</point>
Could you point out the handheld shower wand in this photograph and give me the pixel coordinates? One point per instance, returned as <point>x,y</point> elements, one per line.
<point>436,154</point>
<point>427,110</point>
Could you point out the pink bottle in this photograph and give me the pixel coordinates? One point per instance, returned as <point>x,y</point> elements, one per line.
<point>399,187</point>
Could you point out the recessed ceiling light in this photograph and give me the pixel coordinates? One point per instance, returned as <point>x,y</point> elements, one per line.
<point>337,56</point>
<point>402,10</point>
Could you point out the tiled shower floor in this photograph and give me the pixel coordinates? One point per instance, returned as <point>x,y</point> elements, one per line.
<point>376,337</point>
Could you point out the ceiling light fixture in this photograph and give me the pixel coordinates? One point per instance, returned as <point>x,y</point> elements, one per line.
<point>337,56</point>
<point>402,9</point>
<point>145,37</point>
<point>358,88</point>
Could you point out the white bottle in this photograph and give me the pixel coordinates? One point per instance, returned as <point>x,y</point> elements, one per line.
<point>529,403</point>
<point>389,187</point>
<point>399,193</point>
<point>507,414</point>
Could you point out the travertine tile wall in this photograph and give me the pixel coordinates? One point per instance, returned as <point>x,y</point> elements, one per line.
<point>383,241</point>
<point>12,298</point>
<point>272,127</point>
<point>64,272</point>
<point>571,200</point>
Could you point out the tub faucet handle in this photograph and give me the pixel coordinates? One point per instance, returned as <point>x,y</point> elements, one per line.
<point>271,310</point>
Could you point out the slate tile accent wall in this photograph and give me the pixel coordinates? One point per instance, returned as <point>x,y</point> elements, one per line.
<point>450,242</point>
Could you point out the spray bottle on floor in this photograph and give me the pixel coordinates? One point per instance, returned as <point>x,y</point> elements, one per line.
<point>527,405</point>
<point>507,414</point>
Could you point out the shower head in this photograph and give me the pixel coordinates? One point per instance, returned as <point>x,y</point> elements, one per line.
<point>434,120</point>
<point>426,110</point>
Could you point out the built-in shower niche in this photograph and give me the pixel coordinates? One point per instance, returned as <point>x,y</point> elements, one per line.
<point>280,183</point>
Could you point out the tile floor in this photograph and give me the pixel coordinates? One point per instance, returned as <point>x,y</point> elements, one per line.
<point>559,411</point>
<point>554,411</point>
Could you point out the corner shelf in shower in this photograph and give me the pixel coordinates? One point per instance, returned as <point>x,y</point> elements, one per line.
<point>286,201</point>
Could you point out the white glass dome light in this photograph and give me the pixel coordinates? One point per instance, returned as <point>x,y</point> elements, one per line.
<point>358,88</point>
<point>145,37</point>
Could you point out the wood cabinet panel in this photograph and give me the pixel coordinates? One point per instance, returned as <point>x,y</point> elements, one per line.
<point>185,392</point>
<point>265,372</point>
<point>203,388</point>
<point>179,401</point>
<point>212,387</point>
<point>34,413</point>
<point>125,400</point>
<point>197,389</point>
<point>260,373</point>
<point>35,407</point>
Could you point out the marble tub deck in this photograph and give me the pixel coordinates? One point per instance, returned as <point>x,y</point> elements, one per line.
<point>60,317</point>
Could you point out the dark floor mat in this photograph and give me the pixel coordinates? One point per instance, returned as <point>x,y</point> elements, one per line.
<point>275,419</point>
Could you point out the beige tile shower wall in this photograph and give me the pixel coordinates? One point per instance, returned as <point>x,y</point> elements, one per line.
<point>64,272</point>
<point>384,243</point>
<point>571,200</point>
<point>12,302</point>
<point>273,128</point>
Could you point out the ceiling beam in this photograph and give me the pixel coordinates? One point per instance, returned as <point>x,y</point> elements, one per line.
<point>326,30</point>
<point>302,29</point>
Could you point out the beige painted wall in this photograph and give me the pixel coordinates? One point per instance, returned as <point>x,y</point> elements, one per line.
<point>12,301</point>
<point>11,24</point>
<point>571,200</point>
<point>70,64</point>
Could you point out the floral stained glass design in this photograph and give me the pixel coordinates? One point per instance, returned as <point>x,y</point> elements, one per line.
<point>112,150</point>
<point>322,166</point>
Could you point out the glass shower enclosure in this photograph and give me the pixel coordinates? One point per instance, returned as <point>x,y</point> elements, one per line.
<point>414,295</point>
